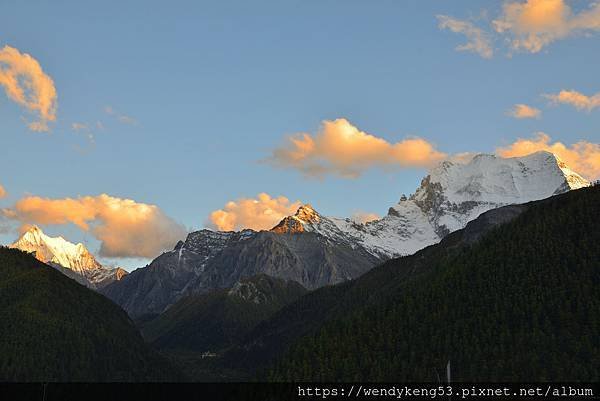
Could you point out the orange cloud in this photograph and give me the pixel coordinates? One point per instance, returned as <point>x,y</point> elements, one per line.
<point>2,192</point>
<point>524,111</point>
<point>28,85</point>
<point>534,24</point>
<point>124,227</point>
<point>583,157</point>
<point>364,217</point>
<point>478,41</point>
<point>262,213</point>
<point>340,148</point>
<point>576,99</point>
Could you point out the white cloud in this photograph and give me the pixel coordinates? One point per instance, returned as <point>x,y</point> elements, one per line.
<point>478,41</point>
<point>125,119</point>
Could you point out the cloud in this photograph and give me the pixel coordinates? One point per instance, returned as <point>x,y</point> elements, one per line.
<point>365,217</point>
<point>262,213</point>
<point>80,127</point>
<point>582,157</point>
<point>2,192</point>
<point>527,26</point>
<point>28,85</point>
<point>124,227</point>
<point>575,99</point>
<point>524,111</point>
<point>341,148</point>
<point>120,117</point>
<point>534,24</point>
<point>478,41</point>
<point>86,131</point>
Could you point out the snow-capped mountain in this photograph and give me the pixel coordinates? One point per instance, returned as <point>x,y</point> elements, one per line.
<point>73,260</point>
<point>453,194</point>
<point>316,250</point>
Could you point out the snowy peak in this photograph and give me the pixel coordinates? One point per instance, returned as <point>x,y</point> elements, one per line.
<point>455,193</point>
<point>307,214</point>
<point>62,254</point>
<point>306,218</point>
<point>573,180</point>
<point>57,250</point>
<point>489,178</point>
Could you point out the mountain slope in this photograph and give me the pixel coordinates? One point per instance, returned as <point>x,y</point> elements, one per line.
<point>54,329</point>
<point>213,321</point>
<point>509,302</point>
<point>75,261</point>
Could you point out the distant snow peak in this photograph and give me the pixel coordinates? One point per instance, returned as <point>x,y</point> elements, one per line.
<point>57,250</point>
<point>72,259</point>
<point>454,193</point>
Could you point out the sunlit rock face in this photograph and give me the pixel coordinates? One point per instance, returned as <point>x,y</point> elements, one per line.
<point>73,260</point>
<point>305,215</point>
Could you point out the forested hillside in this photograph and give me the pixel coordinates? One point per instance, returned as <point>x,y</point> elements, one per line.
<point>200,328</point>
<point>213,321</point>
<point>520,303</point>
<point>54,329</point>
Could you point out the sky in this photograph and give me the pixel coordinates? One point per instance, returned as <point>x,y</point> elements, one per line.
<point>125,125</point>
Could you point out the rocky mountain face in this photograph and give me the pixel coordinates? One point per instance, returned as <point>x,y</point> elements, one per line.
<point>316,250</point>
<point>209,260</point>
<point>75,261</point>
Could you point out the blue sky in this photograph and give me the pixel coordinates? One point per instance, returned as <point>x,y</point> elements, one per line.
<point>213,87</point>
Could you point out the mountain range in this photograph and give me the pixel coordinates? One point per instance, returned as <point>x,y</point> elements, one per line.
<point>511,297</point>
<point>491,264</point>
<point>75,261</point>
<point>316,250</point>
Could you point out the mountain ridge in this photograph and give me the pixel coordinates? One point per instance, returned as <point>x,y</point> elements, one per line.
<point>407,317</point>
<point>316,250</point>
<point>487,300</point>
<point>451,195</point>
